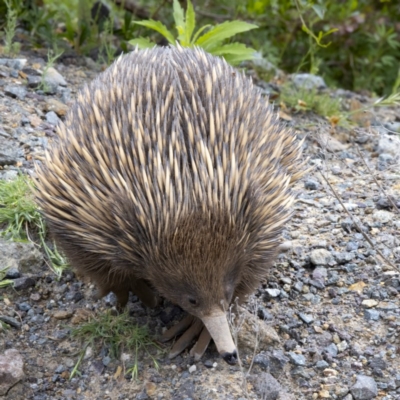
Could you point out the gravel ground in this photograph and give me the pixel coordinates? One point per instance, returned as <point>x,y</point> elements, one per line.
<point>328,314</point>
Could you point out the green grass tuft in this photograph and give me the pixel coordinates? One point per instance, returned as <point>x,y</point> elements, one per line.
<point>20,215</point>
<point>18,211</point>
<point>310,100</point>
<point>117,333</point>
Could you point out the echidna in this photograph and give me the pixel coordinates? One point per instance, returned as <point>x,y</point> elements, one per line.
<point>172,175</point>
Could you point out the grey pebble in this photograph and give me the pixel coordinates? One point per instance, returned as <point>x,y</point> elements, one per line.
<point>321,364</point>
<point>273,292</point>
<point>321,257</point>
<point>15,91</point>
<point>268,386</point>
<point>12,273</point>
<point>24,283</point>
<point>34,81</point>
<point>52,118</point>
<point>10,321</point>
<point>24,306</point>
<point>308,81</point>
<point>297,359</point>
<point>306,318</point>
<point>311,184</point>
<point>372,315</point>
<point>332,350</point>
<point>365,388</point>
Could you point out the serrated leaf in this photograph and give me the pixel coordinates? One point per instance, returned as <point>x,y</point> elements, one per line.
<point>190,21</point>
<point>179,21</point>
<point>142,43</point>
<point>178,13</point>
<point>223,31</point>
<point>234,53</point>
<point>199,31</point>
<point>158,27</point>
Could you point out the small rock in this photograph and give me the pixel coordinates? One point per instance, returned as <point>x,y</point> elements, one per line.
<point>368,303</point>
<point>277,362</point>
<point>268,386</point>
<point>306,318</point>
<point>52,118</point>
<point>348,207</point>
<point>10,321</point>
<point>34,81</point>
<point>324,394</point>
<point>53,78</point>
<point>11,370</point>
<point>382,216</point>
<point>273,292</point>
<point>192,369</point>
<point>372,315</point>
<point>12,273</point>
<point>297,359</point>
<point>14,63</point>
<point>308,81</point>
<point>332,350</point>
<point>321,257</point>
<point>55,105</point>
<point>365,388</point>
<point>62,314</point>
<point>389,144</point>
<point>23,283</point>
<point>321,364</point>
<point>15,91</point>
<point>311,184</point>
<point>330,372</point>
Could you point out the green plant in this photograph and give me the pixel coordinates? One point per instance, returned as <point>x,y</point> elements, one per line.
<point>10,47</point>
<point>17,208</point>
<point>52,56</point>
<point>314,42</point>
<point>117,333</point>
<point>310,100</point>
<point>19,215</point>
<point>211,41</point>
<point>4,282</point>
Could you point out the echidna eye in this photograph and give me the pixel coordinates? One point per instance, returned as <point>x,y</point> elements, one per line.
<point>193,301</point>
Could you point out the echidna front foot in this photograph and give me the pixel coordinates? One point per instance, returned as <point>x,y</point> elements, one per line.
<point>190,328</point>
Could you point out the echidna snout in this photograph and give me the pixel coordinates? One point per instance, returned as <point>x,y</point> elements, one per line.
<point>217,326</point>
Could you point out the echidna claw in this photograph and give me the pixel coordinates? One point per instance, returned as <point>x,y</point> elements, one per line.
<point>191,327</point>
<point>201,345</point>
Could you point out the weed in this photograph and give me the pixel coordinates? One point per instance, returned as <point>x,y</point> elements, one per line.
<point>17,208</point>
<point>19,215</point>
<point>310,100</point>
<point>11,48</point>
<point>117,333</point>
<point>52,56</point>
<point>211,41</point>
<point>4,282</point>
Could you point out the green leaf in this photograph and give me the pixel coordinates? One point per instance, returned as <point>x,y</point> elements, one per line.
<point>159,27</point>
<point>179,21</point>
<point>190,21</point>
<point>197,34</point>
<point>178,14</point>
<point>234,53</point>
<point>319,10</point>
<point>142,43</point>
<point>223,31</point>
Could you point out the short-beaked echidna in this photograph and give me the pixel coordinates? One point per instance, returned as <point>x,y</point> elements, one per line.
<point>172,174</point>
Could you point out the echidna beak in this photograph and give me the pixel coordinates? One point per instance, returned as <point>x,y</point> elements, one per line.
<point>217,326</point>
<point>230,358</point>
